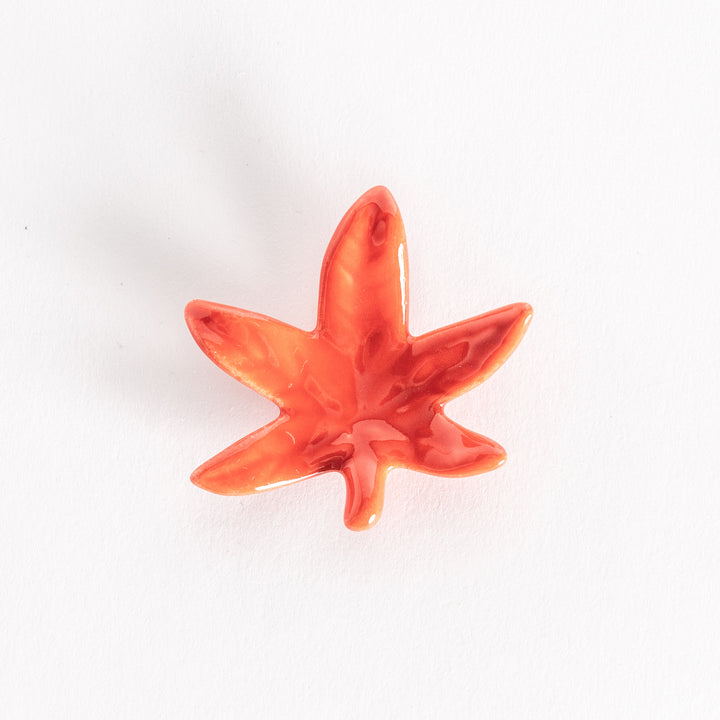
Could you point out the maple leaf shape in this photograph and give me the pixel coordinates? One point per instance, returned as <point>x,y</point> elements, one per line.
<point>358,394</point>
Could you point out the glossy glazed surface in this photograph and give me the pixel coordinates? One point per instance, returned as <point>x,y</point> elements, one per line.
<point>357,394</point>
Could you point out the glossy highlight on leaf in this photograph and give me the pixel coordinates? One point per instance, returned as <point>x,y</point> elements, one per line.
<point>358,394</point>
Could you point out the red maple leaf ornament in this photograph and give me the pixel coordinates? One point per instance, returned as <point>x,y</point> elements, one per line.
<point>358,394</point>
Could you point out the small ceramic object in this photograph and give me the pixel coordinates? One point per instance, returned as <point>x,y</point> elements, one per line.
<point>358,394</point>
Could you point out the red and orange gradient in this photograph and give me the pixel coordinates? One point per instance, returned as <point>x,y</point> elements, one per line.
<point>358,394</point>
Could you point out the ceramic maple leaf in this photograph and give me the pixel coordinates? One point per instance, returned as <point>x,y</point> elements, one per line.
<point>358,394</point>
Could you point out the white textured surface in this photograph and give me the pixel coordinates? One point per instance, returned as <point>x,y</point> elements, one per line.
<point>566,155</point>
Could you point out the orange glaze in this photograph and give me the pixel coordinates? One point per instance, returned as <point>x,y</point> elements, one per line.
<point>357,394</point>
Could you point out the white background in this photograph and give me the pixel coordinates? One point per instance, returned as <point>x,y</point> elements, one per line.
<point>562,154</point>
